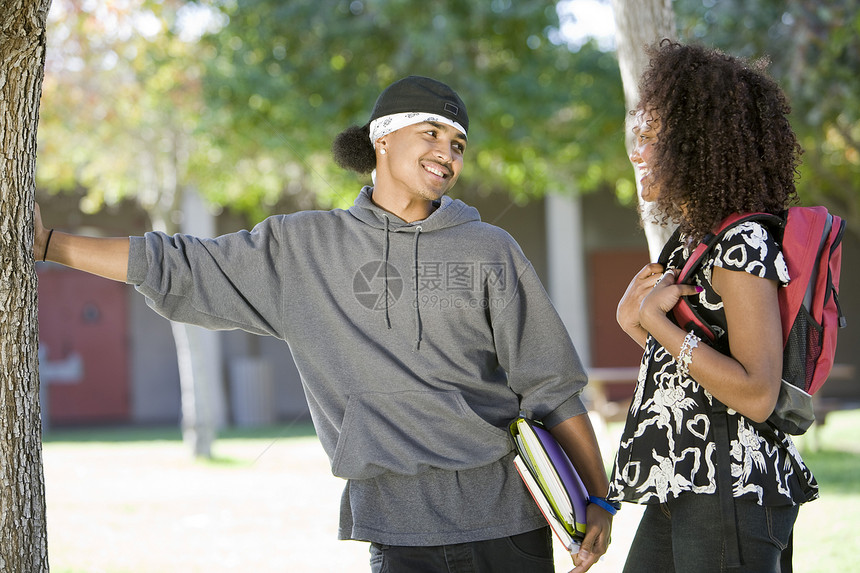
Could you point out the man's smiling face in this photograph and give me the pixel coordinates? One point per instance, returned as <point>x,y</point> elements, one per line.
<point>424,159</point>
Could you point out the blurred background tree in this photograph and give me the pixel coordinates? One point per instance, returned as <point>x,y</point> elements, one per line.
<point>122,104</point>
<point>285,78</point>
<point>242,104</point>
<point>814,48</point>
<point>120,120</point>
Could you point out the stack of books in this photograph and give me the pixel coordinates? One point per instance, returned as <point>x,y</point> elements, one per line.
<point>552,481</point>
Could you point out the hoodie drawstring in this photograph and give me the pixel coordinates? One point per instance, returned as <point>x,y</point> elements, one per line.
<point>417,306</point>
<point>386,294</point>
<point>385,267</point>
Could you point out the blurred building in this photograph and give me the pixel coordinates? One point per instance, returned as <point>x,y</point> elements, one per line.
<point>106,358</point>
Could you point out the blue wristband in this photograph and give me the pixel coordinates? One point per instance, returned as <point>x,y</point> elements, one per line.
<point>611,507</point>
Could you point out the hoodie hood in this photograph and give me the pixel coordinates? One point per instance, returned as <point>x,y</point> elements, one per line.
<point>449,213</point>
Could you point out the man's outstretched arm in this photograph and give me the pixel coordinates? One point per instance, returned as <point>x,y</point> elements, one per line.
<point>105,257</point>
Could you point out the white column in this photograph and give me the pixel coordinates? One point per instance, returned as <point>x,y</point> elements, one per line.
<point>567,285</point>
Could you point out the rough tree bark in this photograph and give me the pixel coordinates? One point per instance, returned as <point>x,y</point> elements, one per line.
<point>638,24</point>
<point>23,535</point>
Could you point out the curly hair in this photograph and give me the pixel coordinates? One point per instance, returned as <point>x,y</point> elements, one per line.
<point>352,149</point>
<point>724,142</point>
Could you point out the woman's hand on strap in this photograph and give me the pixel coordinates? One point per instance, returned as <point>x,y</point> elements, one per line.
<point>627,313</point>
<point>661,299</point>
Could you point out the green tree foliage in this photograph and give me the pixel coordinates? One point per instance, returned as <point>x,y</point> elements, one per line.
<point>137,105</point>
<point>121,103</point>
<point>814,48</point>
<point>285,77</point>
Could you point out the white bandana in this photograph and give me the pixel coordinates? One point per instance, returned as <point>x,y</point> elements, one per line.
<point>384,125</point>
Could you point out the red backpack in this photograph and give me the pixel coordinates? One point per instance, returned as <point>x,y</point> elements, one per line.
<point>811,240</point>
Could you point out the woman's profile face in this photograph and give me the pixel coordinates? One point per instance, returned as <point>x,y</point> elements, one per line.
<point>645,129</point>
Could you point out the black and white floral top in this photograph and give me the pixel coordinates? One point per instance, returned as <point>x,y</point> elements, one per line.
<point>667,447</point>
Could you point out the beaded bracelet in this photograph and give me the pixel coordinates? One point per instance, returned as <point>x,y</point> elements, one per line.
<point>685,356</point>
<point>611,507</point>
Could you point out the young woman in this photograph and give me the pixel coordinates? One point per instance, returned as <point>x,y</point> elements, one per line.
<point>712,139</point>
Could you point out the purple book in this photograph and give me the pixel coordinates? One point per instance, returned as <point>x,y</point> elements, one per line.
<point>563,468</point>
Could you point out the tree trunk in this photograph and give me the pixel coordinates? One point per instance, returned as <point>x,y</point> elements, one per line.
<point>23,535</point>
<point>198,351</point>
<point>639,24</point>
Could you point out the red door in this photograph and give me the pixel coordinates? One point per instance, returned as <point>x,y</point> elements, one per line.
<point>609,274</point>
<point>83,350</point>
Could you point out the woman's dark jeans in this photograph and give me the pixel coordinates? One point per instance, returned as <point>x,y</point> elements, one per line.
<point>525,553</point>
<point>684,536</point>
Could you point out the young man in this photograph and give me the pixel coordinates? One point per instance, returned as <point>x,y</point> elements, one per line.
<point>419,332</point>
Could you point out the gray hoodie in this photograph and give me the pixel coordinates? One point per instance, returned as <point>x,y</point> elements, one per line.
<point>417,343</point>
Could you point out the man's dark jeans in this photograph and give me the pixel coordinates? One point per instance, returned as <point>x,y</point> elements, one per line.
<point>525,553</point>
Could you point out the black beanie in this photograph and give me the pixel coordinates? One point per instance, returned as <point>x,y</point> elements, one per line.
<point>417,93</point>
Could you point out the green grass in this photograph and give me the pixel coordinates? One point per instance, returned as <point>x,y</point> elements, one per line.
<point>826,534</point>
<point>126,434</point>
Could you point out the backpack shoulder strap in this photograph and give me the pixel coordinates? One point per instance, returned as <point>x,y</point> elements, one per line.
<point>683,314</point>
<point>711,239</point>
<point>728,519</point>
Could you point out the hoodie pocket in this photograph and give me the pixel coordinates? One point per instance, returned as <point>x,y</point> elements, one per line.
<point>409,432</point>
